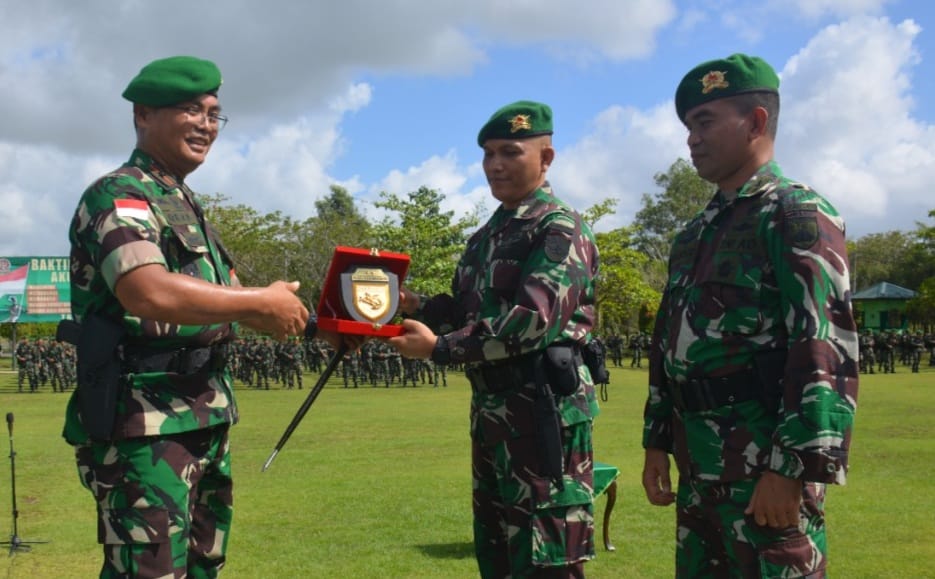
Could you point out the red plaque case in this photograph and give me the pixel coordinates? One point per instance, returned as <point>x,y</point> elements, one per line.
<point>332,315</point>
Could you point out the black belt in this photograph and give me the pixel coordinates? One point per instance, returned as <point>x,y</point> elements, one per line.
<point>179,361</point>
<point>699,394</point>
<point>502,376</point>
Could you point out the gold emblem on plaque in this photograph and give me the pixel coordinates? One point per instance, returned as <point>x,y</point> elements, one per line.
<point>370,294</point>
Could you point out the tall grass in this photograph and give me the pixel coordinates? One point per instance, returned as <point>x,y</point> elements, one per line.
<point>376,483</point>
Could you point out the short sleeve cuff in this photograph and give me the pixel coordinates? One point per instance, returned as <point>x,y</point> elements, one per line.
<point>128,257</point>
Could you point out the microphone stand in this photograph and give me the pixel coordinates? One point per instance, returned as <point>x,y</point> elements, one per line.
<point>15,543</point>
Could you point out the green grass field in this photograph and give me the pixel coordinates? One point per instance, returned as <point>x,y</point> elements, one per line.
<point>376,483</point>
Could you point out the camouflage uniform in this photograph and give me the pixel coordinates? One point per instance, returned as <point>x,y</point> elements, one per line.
<point>162,483</point>
<point>636,346</point>
<point>524,282</point>
<point>763,273</point>
<point>23,355</point>
<point>916,347</point>
<point>615,346</point>
<point>867,355</point>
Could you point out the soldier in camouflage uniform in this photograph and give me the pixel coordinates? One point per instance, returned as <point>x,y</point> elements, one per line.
<point>56,361</point>
<point>886,354</point>
<point>143,258</point>
<point>916,347</point>
<point>34,364</point>
<point>23,355</point>
<point>525,283</point>
<point>753,364</point>
<point>867,354</point>
<point>615,346</point>
<point>637,345</point>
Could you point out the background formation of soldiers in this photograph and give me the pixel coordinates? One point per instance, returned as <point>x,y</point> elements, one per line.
<point>637,344</point>
<point>259,362</point>
<point>43,362</point>
<point>881,351</point>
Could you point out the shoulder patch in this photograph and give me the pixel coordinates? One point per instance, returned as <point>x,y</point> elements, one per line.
<point>557,242</point>
<point>801,229</point>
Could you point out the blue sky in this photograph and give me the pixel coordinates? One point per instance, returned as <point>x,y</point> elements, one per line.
<point>388,96</point>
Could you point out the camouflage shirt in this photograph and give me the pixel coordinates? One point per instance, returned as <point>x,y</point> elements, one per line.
<point>766,271</point>
<point>525,281</point>
<point>134,216</point>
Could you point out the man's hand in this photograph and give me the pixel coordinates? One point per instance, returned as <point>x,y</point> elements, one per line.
<point>656,481</point>
<point>776,500</point>
<point>417,340</point>
<point>286,315</point>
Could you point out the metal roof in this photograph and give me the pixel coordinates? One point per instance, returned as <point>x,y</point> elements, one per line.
<point>884,291</point>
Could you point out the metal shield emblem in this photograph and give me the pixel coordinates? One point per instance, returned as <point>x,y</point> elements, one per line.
<point>370,294</point>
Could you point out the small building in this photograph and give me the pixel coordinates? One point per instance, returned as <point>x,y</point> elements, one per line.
<point>882,307</point>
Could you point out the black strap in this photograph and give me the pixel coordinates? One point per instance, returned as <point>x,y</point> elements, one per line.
<point>179,361</point>
<point>500,376</point>
<point>700,394</point>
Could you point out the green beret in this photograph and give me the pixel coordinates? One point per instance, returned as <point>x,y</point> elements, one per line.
<point>172,80</point>
<point>519,120</point>
<point>717,79</point>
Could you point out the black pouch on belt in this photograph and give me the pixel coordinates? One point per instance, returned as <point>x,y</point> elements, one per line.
<point>562,369</point>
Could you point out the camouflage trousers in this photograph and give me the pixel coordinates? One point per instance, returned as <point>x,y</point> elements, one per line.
<point>164,503</point>
<point>523,525</point>
<point>715,539</point>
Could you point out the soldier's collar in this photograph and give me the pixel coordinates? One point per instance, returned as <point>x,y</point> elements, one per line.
<point>145,162</point>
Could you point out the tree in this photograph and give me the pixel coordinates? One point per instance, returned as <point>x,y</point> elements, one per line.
<point>921,309</point>
<point>918,262</point>
<point>253,240</point>
<point>623,292</point>
<point>683,195</point>
<point>342,223</point>
<point>433,240</point>
<point>596,212</point>
<point>875,257</point>
<point>309,245</point>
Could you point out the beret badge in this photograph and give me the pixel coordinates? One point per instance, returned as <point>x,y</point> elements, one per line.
<point>713,80</point>
<point>519,123</point>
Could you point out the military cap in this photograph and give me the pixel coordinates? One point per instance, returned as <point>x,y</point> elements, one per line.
<point>519,120</point>
<point>172,80</point>
<point>717,79</point>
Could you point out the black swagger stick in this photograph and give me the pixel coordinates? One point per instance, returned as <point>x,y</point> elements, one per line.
<point>309,400</point>
<point>15,543</point>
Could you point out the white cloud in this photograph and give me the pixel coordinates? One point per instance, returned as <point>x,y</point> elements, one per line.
<point>302,69</point>
<point>63,67</point>
<point>847,126</point>
<point>618,160</point>
<point>443,174</point>
<point>836,8</point>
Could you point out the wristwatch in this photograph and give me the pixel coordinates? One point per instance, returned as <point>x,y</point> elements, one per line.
<point>441,354</point>
<point>311,326</point>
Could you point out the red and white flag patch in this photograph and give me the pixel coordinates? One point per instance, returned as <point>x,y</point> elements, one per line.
<point>132,208</point>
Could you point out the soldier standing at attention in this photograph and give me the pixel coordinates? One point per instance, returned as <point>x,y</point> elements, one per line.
<point>147,272</point>
<point>753,364</point>
<point>522,295</point>
<point>636,345</point>
<point>23,359</point>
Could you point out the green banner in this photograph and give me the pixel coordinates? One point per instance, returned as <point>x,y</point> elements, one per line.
<point>34,289</point>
